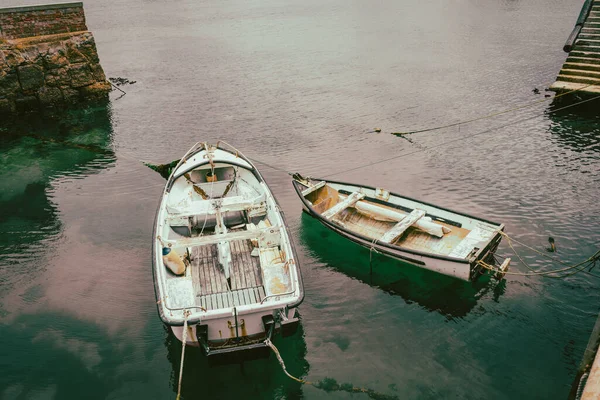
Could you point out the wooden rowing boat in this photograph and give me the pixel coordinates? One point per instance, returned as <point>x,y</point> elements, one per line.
<point>409,230</point>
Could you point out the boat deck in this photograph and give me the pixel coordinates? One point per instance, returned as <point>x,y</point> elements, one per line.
<point>413,238</point>
<point>210,285</point>
<point>205,284</point>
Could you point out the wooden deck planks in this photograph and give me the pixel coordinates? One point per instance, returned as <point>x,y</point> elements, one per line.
<point>235,298</point>
<point>209,280</point>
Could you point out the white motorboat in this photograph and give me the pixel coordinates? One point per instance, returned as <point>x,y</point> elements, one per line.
<point>223,259</point>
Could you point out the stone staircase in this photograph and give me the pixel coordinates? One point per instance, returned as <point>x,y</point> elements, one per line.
<point>581,70</point>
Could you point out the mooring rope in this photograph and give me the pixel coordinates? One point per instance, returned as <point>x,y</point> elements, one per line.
<point>329,384</point>
<point>186,314</point>
<point>489,115</point>
<point>466,137</point>
<point>562,272</point>
<point>371,250</point>
<point>272,346</point>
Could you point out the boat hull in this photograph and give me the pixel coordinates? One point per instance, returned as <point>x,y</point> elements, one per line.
<point>219,336</point>
<point>464,269</point>
<point>242,282</point>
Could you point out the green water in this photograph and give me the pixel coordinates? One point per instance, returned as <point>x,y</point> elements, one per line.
<point>301,86</point>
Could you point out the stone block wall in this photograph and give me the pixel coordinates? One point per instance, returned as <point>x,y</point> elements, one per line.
<point>21,22</point>
<point>50,70</point>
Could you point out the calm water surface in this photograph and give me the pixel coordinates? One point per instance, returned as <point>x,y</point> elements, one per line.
<point>301,85</point>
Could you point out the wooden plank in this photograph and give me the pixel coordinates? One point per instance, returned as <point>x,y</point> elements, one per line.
<point>244,256</point>
<point>232,268</point>
<point>201,270</point>
<point>341,206</point>
<point>251,296</point>
<point>248,266</point>
<point>257,270</point>
<point>208,268</point>
<point>204,271</point>
<point>261,292</point>
<point>313,188</point>
<point>222,237</point>
<point>236,298</point>
<point>194,274</point>
<point>248,270</point>
<point>240,261</point>
<point>221,281</point>
<point>213,275</point>
<point>402,226</point>
<point>240,298</point>
<point>239,267</point>
<point>254,263</point>
<point>225,298</point>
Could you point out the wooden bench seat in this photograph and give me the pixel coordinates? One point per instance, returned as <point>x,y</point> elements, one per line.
<point>341,206</point>
<point>398,229</point>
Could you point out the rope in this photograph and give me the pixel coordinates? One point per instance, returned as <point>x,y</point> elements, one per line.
<point>186,314</point>
<point>270,166</point>
<point>460,138</point>
<point>371,250</point>
<point>118,88</point>
<point>581,385</point>
<point>489,115</point>
<point>329,384</point>
<point>567,271</point>
<point>272,346</point>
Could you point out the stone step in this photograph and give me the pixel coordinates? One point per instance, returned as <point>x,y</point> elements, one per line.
<point>586,54</point>
<point>589,30</point>
<point>582,66</point>
<point>583,61</point>
<point>580,73</point>
<point>578,79</point>
<point>571,86</point>
<point>586,36</point>
<point>588,42</point>
<point>591,25</point>
<point>587,47</point>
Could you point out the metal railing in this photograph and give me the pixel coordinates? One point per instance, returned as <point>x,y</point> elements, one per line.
<point>583,14</point>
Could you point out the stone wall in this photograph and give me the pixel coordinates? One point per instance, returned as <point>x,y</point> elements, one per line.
<point>20,22</point>
<point>52,69</point>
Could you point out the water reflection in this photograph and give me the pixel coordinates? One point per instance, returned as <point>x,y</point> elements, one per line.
<point>240,377</point>
<point>53,363</point>
<point>35,151</point>
<point>448,296</point>
<point>577,128</point>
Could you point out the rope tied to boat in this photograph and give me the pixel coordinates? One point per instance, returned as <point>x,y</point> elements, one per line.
<point>329,384</point>
<point>489,115</point>
<point>371,250</point>
<point>186,314</point>
<point>272,346</point>
<point>585,266</point>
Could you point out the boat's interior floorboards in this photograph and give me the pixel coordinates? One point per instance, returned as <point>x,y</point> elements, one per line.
<point>210,284</point>
<point>413,238</point>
